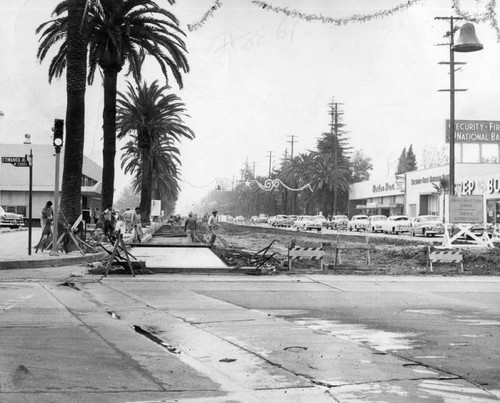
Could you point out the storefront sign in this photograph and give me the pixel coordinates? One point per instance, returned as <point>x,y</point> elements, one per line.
<point>466,209</point>
<point>490,186</point>
<point>428,179</point>
<point>383,188</point>
<point>475,131</point>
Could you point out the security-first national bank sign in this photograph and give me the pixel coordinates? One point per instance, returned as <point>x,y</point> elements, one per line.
<point>475,131</point>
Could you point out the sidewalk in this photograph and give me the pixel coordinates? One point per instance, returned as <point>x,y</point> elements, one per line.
<point>14,250</point>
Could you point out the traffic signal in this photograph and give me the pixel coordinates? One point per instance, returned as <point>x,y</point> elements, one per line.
<point>58,133</point>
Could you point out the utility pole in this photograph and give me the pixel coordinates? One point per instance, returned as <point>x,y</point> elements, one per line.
<point>253,173</point>
<point>334,132</point>
<point>270,157</point>
<point>292,141</point>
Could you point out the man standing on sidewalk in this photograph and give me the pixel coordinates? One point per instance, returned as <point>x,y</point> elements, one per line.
<point>137,225</point>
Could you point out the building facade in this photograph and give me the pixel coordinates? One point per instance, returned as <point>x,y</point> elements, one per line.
<point>14,181</point>
<point>417,192</point>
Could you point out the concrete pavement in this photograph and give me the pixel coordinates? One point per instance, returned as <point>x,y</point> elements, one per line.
<point>174,338</point>
<point>14,250</point>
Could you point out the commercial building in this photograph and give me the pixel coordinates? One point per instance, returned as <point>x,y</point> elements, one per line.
<point>14,180</point>
<point>417,192</point>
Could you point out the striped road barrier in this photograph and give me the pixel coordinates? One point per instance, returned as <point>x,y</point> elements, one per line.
<point>444,256</point>
<point>303,252</point>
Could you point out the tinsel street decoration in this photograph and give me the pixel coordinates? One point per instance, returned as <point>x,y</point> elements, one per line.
<point>489,15</point>
<point>209,14</point>
<point>270,184</point>
<point>336,21</point>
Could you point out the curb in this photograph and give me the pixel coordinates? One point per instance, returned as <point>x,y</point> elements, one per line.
<point>37,264</point>
<point>61,261</point>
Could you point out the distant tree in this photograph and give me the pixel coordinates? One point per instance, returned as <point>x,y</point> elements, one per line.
<point>433,156</point>
<point>128,199</point>
<point>401,163</point>
<point>411,160</point>
<point>361,166</point>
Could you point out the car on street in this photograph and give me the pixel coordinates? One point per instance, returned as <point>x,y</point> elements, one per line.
<point>11,220</point>
<point>239,218</point>
<point>273,221</point>
<point>320,219</point>
<point>376,222</point>
<point>262,219</point>
<point>287,221</point>
<point>427,225</point>
<point>337,222</point>
<point>254,219</point>
<point>476,229</point>
<point>306,223</point>
<point>358,222</point>
<point>396,224</point>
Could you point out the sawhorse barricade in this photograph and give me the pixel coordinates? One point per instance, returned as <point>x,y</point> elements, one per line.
<point>444,256</point>
<point>301,252</point>
<point>338,247</point>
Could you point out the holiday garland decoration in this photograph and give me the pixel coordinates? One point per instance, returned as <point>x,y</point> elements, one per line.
<point>336,21</point>
<point>488,16</point>
<point>209,14</point>
<point>270,184</point>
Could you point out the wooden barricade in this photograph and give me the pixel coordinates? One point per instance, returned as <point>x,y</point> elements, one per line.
<point>444,256</point>
<point>338,247</point>
<point>302,252</point>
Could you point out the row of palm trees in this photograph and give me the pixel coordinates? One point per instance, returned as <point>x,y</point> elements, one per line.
<point>329,170</point>
<point>106,36</point>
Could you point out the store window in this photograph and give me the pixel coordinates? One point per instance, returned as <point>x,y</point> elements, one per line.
<point>493,211</point>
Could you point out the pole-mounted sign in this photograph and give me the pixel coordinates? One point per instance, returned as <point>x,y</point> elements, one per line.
<point>16,161</point>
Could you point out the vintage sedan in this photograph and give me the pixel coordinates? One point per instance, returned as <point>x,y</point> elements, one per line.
<point>396,224</point>
<point>287,221</point>
<point>11,220</point>
<point>337,222</point>
<point>427,225</point>
<point>359,223</point>
<point>376,222</point>
<point>274,221</point>
<point>307,222</point>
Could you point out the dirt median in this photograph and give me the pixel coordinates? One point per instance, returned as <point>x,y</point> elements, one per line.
<point>391,255</point>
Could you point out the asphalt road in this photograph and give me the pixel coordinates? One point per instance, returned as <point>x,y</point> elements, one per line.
<point>69,336</point>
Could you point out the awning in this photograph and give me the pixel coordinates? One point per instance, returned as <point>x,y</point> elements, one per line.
<point>92,191</point>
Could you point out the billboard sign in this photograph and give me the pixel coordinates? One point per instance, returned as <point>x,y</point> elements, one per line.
<point>466,209</point>
<point>475,131</point>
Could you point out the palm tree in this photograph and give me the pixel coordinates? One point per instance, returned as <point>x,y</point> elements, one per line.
<point>152,117</point>
<point>73,56</point>
<point>120,32</point>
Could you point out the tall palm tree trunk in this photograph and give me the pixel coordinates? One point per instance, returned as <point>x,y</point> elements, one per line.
<point>71,197</point>
<point>146,186</point>
<point>109,136</point>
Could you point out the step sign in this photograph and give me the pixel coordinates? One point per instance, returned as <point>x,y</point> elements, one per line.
<point>16,161</point>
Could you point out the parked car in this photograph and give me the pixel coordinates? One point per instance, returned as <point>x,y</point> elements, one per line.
<point>254,219</point>
<point>337,222</point>
<point>427,225</point>
<point>476,229</point>
<point>307,222</point>
<point>262,219</point>
<point>396,224</point>
<point>276,220</point>
<point>11,220</point>
<point>359,222</point>
<point>376,222</point>
<point>320,219</point>
<point>271,220</point>
<point>240,218</point>
<point>287,221</point>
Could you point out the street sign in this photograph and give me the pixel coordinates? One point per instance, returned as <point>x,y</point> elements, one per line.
<point>16,161</point>
<point>466,209</point>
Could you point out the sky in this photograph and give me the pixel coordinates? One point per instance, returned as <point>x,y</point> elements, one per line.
<point>258,77</point>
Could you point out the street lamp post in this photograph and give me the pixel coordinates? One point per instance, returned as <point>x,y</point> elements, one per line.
<point>467,42</point>
<point>29,160</point>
